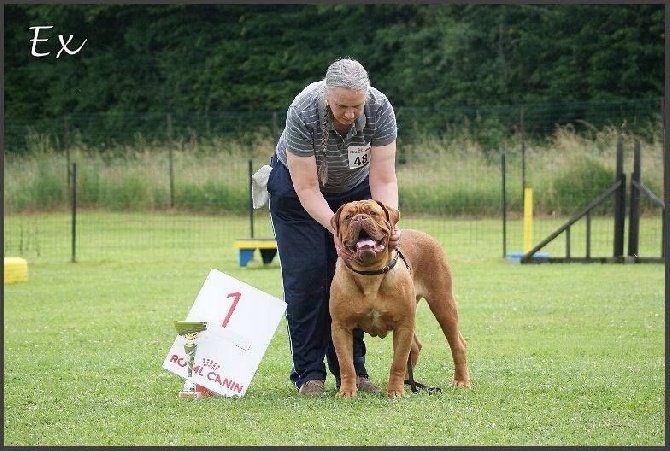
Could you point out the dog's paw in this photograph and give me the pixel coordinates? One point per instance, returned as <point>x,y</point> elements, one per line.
<point>346,393</point>
<point>460,383</point>
<point>395,393</point>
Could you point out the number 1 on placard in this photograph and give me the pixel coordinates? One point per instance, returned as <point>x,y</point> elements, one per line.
<point>236,295</point>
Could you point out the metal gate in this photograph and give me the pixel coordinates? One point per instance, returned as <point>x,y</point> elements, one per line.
<point>618,190</point>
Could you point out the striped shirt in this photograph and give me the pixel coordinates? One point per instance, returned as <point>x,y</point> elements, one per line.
<point>347,156</point>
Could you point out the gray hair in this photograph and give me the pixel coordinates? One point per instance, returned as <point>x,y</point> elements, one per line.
<point>346,73</point>
<point>343,73</point>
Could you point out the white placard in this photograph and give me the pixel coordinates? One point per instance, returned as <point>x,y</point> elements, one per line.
<point>241,321</point>
<point>358,156</point>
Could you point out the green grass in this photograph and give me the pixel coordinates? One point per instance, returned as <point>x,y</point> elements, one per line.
<point>144,237</point>
<point>448,176</point>
<point>567,354</point>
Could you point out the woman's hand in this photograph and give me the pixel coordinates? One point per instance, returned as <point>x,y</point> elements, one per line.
<point>394,240</point>
<point>342,251</point>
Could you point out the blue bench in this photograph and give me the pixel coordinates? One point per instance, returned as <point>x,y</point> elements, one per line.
<point>267,247</point>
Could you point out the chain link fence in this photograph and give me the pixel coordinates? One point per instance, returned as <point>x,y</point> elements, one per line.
<point>486,124</point>
<point>179,199</point>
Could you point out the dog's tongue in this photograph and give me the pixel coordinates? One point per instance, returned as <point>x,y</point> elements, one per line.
<point>365,243</point>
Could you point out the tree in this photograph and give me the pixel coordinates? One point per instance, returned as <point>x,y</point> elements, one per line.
<point>226,57</point>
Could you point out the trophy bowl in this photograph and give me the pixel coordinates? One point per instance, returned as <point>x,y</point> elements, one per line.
<point>190,331</point>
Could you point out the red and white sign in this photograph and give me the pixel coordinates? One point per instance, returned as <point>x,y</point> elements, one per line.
<point>241,321</point>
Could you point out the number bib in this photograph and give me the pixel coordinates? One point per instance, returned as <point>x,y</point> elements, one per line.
<point>358,156</point>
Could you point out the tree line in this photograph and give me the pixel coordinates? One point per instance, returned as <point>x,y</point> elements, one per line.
<point>231,57</point>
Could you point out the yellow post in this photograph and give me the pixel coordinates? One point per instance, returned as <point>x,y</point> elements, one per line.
<point>527,219</point>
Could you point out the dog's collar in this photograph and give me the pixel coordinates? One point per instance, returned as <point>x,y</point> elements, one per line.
<point>384,270</point>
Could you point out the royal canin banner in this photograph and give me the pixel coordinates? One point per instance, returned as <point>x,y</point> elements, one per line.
<point>241,321</point>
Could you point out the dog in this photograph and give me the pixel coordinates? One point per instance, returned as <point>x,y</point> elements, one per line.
<point>378,289</point>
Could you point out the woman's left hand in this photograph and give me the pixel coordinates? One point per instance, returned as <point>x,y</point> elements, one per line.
<point>394,240</point>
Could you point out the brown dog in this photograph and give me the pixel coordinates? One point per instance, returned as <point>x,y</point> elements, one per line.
<point>377,291</point>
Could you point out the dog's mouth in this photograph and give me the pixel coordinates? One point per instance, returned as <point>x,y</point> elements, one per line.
<point>366,243</point>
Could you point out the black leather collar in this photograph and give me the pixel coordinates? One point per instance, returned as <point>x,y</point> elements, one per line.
<point>384,270</point>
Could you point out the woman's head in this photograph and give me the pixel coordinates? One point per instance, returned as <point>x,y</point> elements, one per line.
<point>346,84</point>
<point>346,73</point>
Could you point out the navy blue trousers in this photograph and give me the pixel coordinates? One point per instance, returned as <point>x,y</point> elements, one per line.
<point>307,255</point>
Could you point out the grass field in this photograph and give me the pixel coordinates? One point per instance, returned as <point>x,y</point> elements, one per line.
<point>559,355</point>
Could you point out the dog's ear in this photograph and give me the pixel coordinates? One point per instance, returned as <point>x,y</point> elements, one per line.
<point>335,220</point>
<point>392,215</point>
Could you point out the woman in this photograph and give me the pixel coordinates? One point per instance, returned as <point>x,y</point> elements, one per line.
<point>338,145</point>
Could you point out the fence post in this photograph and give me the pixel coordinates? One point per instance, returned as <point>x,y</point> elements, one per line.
<point>251,200</point>
<point>634,213</point>
<point>665,234</point>
<point>619,202</point>
<point>503,202</point>
<point>527,219</point>
<point>170,158</point>
<point>73,207</point>
<point>275,125</point>
<point>523,152</point>
<point>66,146</point>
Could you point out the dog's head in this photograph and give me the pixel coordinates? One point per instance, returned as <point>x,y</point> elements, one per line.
<point>364,228</point>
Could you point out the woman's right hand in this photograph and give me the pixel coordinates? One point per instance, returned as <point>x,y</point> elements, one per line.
<point>341,250</point>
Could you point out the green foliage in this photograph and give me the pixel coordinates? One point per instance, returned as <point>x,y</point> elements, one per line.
<point>130,192</point>
<point>585,180</point>
<point>226,57</point>
<point>212,197</point>
<point>89,185</point>
<point>43,187</point>
<point>473,202</point>
<point>457,173</point>
<point>48,190</point>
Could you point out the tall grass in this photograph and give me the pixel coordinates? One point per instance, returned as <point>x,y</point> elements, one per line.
<point>451,175</point>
